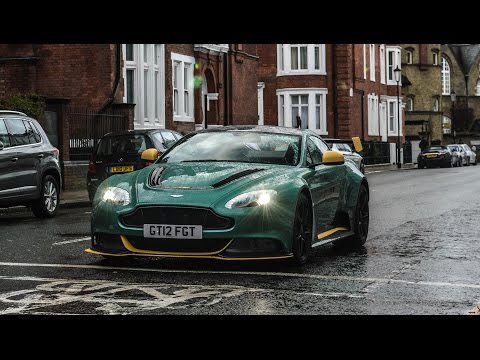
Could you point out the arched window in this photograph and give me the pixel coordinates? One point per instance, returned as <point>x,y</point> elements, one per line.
<point>445,77</point>
<point>409,104</point>
<point>478,87</point>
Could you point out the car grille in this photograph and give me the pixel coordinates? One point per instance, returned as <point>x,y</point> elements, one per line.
<point>176,216</point>
<point>178,245</point>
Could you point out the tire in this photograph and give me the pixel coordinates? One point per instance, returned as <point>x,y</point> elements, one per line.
<point>362,219</point>
<point>47,205</point>
<point>302,231</point>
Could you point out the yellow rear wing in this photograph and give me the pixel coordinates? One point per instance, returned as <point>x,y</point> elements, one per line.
<point>357,143</point>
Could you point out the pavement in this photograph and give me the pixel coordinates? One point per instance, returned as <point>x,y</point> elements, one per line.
<point>79,198</point>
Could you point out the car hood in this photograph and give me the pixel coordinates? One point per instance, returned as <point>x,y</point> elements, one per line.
<point>201,183</point>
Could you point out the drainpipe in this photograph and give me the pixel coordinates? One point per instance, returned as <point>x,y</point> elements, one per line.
<point>118,71</point>
<point>226,80</point>
<point>335,100</point>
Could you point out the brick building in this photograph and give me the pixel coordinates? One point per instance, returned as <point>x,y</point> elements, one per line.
<point>151,85</point>
<point>337,90</point>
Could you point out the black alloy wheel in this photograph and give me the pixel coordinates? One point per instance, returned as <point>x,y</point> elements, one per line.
<point>302,231</point>
<point>362,218</point>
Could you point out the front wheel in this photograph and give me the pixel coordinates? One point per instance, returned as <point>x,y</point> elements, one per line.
<point>302,231</point>
<point>47,205</point>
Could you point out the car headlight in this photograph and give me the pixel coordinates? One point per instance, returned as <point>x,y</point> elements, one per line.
<point>116,196</point>
<point>252,198</point>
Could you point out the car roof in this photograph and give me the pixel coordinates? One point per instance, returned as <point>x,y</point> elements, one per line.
<point>11,112</point>
<point>258,128</point>
<point>137,132</point>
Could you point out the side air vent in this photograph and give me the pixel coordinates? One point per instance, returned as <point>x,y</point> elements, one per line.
<point>235,177</point>
<point>155,176</point>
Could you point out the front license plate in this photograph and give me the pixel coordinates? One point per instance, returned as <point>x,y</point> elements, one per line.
<point>431,155</point>
<point>165,231</point>
<point>122,169</point>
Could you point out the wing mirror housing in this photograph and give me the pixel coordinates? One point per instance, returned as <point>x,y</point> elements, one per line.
<point>333,158</point>
<point>149,156</point>
<point>357,143</point>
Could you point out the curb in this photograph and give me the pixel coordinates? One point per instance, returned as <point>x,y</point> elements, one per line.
<point>71,204</point>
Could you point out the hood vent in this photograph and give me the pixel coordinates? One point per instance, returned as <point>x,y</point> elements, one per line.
<point>235,177</point>
<point>155,176</point>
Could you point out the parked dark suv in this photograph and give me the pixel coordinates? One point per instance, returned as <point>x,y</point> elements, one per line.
<point>120,152</point>
<point>29,166</point>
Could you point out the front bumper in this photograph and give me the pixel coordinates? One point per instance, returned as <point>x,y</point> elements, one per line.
<point>221,249</point>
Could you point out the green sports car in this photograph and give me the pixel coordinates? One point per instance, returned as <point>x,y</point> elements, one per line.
<point>234,193</point>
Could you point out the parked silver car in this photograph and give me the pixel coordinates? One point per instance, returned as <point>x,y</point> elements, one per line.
<point>459,156</point>
<point>348,153</point>
<point>470,155</point>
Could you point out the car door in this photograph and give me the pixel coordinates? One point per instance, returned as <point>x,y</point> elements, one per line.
<point>6,163</point>
<point>27,157</point>
<point>325,183</point>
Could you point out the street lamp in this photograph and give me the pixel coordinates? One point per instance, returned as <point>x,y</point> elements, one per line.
<point>453,96</point>
<point>398,75</point>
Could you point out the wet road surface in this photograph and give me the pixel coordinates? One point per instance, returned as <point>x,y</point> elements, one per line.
<point>421,257</point>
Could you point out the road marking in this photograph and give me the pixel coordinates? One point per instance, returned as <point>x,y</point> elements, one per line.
<point>113,297</point>
<point>243,273</point>
<point>72,241</point>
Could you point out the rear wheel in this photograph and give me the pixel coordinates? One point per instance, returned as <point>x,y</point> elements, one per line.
<point>47,205</point>
<point>302,231</point>
<point>362,218</point>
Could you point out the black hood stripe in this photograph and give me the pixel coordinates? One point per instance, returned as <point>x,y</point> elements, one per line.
<point>235,177</point>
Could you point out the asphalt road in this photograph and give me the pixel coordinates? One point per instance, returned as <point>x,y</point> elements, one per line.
<point>421,257</point>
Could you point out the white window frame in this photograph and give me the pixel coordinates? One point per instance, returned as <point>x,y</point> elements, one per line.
<point>372,62</point>
<point>445,76</point>
<point>410,104</point>
<point>388,100</point>
<point>145,115</point>
<point>477,92</point>
<point>446,120</point>
<point>365,61</point>
<point>185,63</point>
<point>409,54</point>
<point>435,58</point>
<point>284,60</point>
<point>287,107</point>
<point>395,51</point>
<point>373,113</point>
<point>382,63</point>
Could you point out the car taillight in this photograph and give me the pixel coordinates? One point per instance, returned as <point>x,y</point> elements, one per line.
<point>56,153</point>
<point>92,169</point>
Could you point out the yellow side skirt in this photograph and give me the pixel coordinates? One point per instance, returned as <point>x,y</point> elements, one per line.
<point>330,232</point>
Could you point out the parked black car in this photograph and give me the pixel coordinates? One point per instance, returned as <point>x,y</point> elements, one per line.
<point>30,172</point>
<point>435,155</point>
<point>120,152</point>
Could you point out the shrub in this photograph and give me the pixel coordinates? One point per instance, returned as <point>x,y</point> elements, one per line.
<point>32,105</point>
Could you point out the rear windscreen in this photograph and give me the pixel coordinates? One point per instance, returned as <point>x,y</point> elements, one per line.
<point>124,144</point>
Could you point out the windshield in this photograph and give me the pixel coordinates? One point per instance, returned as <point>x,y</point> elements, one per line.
<point>237,146</point>
<point>122,144</point>
<point>436,148</point>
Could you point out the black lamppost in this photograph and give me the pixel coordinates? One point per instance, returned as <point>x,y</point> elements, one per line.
<point>398,75</point>
<point>453,96</point>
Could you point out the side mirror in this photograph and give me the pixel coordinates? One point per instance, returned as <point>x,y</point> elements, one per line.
<point>333,158</point>
<point>357,143</point>
<point>1,145</point>
<point>150,156</point>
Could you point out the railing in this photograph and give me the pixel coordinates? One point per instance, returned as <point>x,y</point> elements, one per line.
<point>376,152</point>
<point>86,127</point>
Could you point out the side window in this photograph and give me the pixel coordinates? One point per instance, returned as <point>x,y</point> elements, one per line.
<point>178,136</point>
<point>169,138</point>
<point>4,138</point>
<point>314,155</point>
<point>158,140</point>
<point>18,132</point>
<point>37,135</point>
<point>32,135</point>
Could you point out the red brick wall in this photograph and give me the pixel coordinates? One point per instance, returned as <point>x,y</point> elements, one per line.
<point>244,85</point>
<point>85,73</point>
